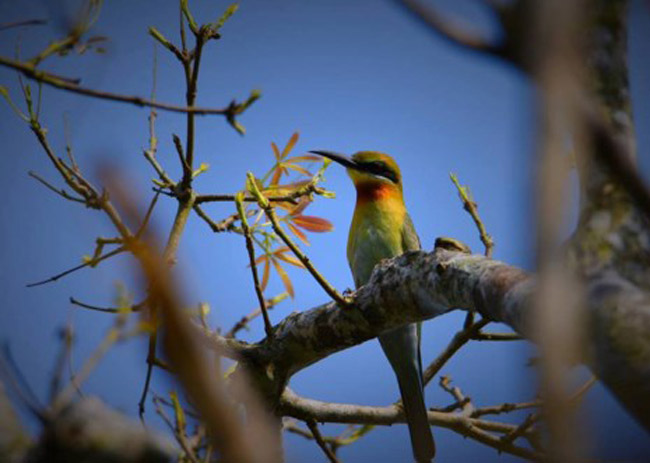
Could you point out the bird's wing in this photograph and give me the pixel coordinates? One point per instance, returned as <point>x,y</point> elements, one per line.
<point>410,240</point>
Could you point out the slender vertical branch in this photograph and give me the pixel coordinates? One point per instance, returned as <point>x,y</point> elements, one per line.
<point>268,328</point>
<point>185,206</point>
<point>191,80</point>
<point>313,427</point>
<point>458,341</point>
<point>186,199</point>
<point>169,256</point>
<point>472,209</point>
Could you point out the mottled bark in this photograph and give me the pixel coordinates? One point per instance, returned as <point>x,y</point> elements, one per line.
<point>401,290</point>
<point>412,287</point>
<point>419,286</point>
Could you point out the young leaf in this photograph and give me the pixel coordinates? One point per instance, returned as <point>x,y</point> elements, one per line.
<point>313,224</point>
<point>304,158</point>
<point>285,278</point>
<point>276,151</point>
<point>290,144</point>
<point>297,210</point>
<point>265,275</point>
<point>297,168</point>
<point>296,231</point>
<point>277,174</point>
<point>289,259</point>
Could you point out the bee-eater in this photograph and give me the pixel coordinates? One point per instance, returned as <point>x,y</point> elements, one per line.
<point>381,228</point>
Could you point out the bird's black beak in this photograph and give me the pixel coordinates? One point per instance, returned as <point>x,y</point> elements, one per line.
<point>339,158</point>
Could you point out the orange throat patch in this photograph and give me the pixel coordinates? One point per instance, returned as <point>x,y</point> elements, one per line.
<point>368,192</point>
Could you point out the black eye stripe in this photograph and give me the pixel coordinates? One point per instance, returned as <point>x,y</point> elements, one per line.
<point>380,168</point>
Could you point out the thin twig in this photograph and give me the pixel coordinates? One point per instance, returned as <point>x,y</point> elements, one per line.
<point>187,169</point>
<point>65,335</point>
<point>147,216</point>
<point>522,428</point>
<point>12,375</point>
<point>451,407</point>
<point>157,35</point>
<point>68,84</point>
<point>151,356</point>
<point>68,144</point>
<point>191,80</point>
<point>245,320</point>
<point>505,408</point>
<point>291,426</point>
<point>464,402</point>
<point>89,263</point>
<point>313,427</point>
<point>150,154</point>
<point>583,390</point>
<point>471,207</point>
<point>445,29</point>
<point>167,182</point>
<point>186,202</point>
<point>268,327</point>
<point>481,336</point>
<point>216,227</point>
<point>181,438</point>
<point>115,334</point>
<point>168,403</point>
<point>75,180</point>
<point>61,192</point>
<point>134,308</point>
<point>459,339</point>
<point>28,22</point>
<point>249,199</point>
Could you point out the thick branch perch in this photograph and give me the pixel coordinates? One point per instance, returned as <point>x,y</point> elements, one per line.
<point>413,287</point>
<point>418,286</point>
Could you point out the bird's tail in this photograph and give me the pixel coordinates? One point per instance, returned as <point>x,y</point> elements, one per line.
<point>402,347</point>
<point>410,385</point>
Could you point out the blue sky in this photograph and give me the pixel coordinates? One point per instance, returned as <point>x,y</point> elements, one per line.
<point>347,76</point>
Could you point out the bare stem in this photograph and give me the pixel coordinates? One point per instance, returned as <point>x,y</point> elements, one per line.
<point>68,84</point>
<point>268,328</point>
<point>471,207</point>
<point>313,427</point>
<point>458,341</point>
<point>89,263</point>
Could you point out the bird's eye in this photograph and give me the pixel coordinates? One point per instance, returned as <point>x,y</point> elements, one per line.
<point>380,168</point>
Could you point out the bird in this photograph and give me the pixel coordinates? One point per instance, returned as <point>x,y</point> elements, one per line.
<point>381,228</point>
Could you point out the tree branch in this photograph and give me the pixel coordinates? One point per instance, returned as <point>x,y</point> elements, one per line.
<point>417,286</point>
<point>325,412</point>
<point>64,83</point>
<point>444,28</point>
